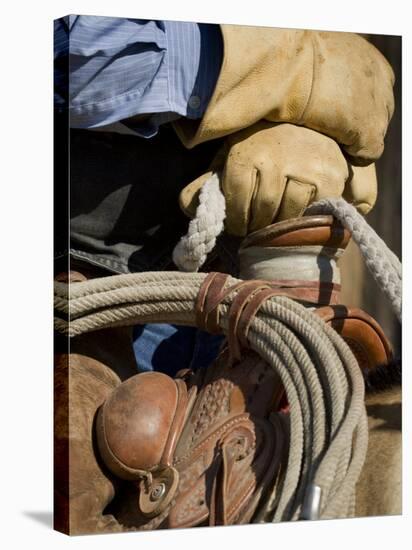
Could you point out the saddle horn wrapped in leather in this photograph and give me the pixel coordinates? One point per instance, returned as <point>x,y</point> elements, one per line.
<point>201,446</point>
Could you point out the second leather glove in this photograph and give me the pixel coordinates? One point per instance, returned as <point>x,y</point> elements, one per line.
<point>333,82</point>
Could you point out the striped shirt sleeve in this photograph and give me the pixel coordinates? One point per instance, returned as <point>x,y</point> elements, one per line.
<point>119,68</point>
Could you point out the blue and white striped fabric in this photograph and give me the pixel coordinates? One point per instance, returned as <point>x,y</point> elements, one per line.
<point>120,67</point>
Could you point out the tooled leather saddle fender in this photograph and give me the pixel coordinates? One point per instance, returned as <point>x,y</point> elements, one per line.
<point>201,446</point>
<point>205,447</point>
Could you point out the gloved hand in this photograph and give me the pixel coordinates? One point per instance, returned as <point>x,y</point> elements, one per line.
<point>333,82</point>
<point>272,172</point>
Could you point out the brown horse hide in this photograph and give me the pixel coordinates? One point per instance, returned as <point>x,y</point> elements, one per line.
<point>87,370</point>
<point>379,490</point>
<point>84,379</point>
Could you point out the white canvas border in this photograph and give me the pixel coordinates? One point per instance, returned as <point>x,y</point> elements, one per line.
<point>26,229</point>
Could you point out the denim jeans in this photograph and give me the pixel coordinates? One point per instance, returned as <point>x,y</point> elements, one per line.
<point>169,348</point>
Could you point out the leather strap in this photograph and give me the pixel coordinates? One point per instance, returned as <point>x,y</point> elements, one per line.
<point>362,333</point>
<point>274,231</point>
<point>177,422</point>
<point>246,303</point>
<point>210,295</point>
<point>245,295</point>
<point>333,236</point>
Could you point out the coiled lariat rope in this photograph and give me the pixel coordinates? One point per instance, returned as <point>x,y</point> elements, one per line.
<point>322,380</point>
<point>383,264</point>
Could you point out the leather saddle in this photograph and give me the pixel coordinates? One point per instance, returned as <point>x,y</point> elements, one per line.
<point>201,447</point>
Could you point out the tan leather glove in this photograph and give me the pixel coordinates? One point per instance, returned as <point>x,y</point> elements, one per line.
<point>272,172</point>
<point>333,82</point>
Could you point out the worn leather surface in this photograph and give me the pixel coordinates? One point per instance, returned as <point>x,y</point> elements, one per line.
<point>362,333</point>
<point>143,411</point>
<point>324,235</point>
<point>288,227</point>
<point>272,172</point>
<point>334,82</point>
<point>228,430</point>
<point>226,453</point>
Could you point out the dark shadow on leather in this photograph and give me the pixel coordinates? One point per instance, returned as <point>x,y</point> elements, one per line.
<point>325,268</point>
<point>44,518</point>
<point>341,313</point>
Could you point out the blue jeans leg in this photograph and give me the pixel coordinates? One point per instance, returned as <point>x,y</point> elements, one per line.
<point>168,348</point>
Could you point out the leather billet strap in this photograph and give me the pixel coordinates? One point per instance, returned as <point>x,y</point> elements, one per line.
<point>249,297</point>
<point>243,308</point>
<point>363,334</point>
<point>211,293</point>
